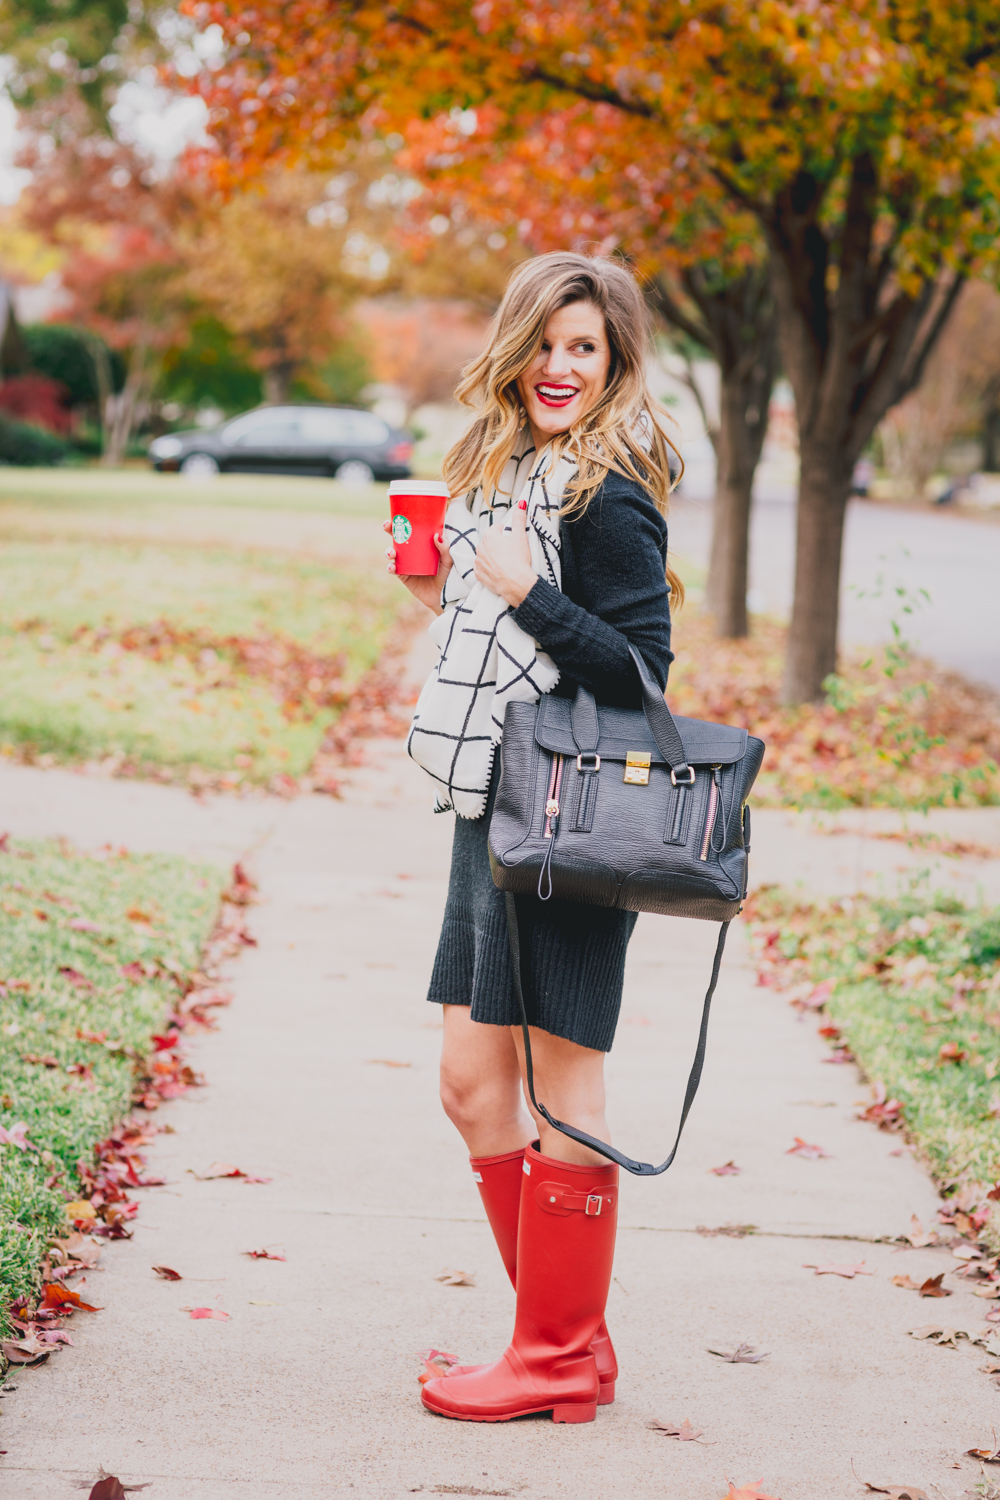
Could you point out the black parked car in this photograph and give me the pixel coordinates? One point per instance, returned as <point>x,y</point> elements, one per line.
<point>354,445</point>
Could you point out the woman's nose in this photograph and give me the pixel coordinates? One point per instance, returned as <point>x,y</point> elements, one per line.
<point>557,362</point>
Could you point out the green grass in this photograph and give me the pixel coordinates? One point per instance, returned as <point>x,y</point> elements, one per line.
<point>70,690</point>
<point>41,1011</point>
<point>916,996</point>
<point>141,487</point>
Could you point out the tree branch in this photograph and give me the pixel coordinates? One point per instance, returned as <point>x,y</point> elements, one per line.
<point>672,311</point>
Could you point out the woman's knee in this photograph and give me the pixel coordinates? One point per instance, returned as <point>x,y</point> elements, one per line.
<point>469,1099</point>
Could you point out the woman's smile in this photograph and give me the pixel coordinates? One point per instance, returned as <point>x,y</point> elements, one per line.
<point>569,373</point>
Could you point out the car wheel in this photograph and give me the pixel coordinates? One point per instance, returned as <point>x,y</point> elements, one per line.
<point>355,473</point>
<point>200,466</point>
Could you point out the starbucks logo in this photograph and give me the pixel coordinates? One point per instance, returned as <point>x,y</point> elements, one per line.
<point>401,529</point>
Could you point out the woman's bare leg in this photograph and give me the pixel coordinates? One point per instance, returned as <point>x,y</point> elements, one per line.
<point>481,1084</point>
<point>569,1081</point>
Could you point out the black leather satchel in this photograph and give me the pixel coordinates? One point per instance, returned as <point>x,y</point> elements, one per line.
<point>627,808</point>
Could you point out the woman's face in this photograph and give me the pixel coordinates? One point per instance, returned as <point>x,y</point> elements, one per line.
<point>569,372</point>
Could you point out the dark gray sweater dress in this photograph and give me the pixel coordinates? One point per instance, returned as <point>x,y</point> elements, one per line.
<point>614,592</point>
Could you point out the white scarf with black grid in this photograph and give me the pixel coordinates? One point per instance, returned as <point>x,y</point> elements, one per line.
<point>487,660</point>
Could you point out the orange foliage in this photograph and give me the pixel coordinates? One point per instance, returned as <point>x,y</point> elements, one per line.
<point>421,346</point>
<point>921,737</point>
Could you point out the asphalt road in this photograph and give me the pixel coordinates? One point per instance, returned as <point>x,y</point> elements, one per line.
<point>955,558</point>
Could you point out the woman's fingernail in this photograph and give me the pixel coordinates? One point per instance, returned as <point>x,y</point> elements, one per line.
<point>522,505</point>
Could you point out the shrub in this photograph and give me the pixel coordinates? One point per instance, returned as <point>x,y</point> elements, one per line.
<point>37,399</point>
<point>24,444</point>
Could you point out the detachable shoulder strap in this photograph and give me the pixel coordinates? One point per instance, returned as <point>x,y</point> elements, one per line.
<point>521,964</point>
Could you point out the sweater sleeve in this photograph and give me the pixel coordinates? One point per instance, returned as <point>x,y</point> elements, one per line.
<point>619,547</point>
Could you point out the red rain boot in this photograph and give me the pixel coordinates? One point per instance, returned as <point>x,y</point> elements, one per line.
<point>499,1182</point>
<point>565,1250</point>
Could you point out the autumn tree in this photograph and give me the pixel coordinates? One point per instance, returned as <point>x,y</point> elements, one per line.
<point>860,136</point>
<point>575,179</point>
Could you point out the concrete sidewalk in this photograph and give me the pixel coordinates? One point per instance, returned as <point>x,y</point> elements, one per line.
<point>310,1389</point>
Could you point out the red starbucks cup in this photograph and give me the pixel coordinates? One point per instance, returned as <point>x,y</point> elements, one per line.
<point>416,509</point>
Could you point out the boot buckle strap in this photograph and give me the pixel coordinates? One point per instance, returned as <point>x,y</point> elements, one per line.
<point>557,1198</point>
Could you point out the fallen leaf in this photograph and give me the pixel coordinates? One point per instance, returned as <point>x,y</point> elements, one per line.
<point>930,1288</point>
<point>388,1062</point>
<point>896,1491</point>
<point>108,1487</point>
<point>136,914</point>
<point>15,1135</point>
<point>985,1455</point>
<point>81,924</point>
<point>457,1278</point>
<point>167,1273</point>
<point>848,1271</point>
<point>991,1289</point>
<point>685,1432</point>
<point>747,1492</point>
<point>803,1148</point>
<point>264,1255</point>
<point>743,1354</point>
<point>945,1338</point>
<point>918,1237</point>
<point>436,1364</point>
<point>75,977</point>
<point>251,1177</point>
<point>26,1351</point>
<point>81,1210</point>
<point>207,1312</point>
<point>950,1052</point>
<point>728,1169</point>
<point>55,1295</point>
<point>218,1169</point>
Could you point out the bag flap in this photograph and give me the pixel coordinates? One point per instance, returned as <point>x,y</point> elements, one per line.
<point>625,729</point>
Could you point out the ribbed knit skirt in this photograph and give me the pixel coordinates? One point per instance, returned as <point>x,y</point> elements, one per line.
<point>577,952</point>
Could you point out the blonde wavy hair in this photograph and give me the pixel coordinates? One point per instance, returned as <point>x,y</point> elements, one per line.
<point>608,436</point>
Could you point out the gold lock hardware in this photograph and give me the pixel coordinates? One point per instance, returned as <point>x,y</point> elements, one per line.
<point>637,767</point>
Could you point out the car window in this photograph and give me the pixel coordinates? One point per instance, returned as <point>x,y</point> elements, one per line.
<point>323,425</point>
<point>273,424</point>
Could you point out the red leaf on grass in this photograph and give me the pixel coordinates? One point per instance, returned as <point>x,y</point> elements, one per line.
<point>75,977</point>
<point>168,1273</point>
<point>803,1148</point>
<point>54,1296</point>
<point>15,1135</point>
<point>264,1255</point>
<point>207,1312</point>
<point>728,1169</point>
<point>81,924</point>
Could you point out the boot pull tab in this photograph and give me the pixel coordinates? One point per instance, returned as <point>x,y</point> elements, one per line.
<point>557,1198</point>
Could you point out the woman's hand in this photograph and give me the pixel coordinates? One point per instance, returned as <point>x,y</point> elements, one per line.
<point>422,586</point>
<point>503,562</point>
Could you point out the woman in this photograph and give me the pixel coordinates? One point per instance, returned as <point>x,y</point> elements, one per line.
<point>552,564</point>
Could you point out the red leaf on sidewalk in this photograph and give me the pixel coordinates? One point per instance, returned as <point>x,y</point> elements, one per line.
<point>436,1364</point>
<point>225,1169</point>
<point>803,1148</point>
<point>930,1288</point>
<point>264,1255</point>
<point>54,1296</point>
<point>168,1273</point>
<point>207,1312</point>
<point>728,1169</point>
<point>747,1492</point>
<point>109,1487</point>
<point>685,1432</point>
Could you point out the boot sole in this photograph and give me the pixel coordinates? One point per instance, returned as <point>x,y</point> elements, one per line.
<point>577,1411</point>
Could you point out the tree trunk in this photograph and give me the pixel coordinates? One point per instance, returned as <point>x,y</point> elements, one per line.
<point>824,487</point>
<point>121,410</point>
<point>277,384</point>
<point>991,440</point>
<point>742,425</point>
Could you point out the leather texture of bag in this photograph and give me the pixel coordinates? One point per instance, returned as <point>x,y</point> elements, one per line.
<point>628,808</point>
<point>621,807</point>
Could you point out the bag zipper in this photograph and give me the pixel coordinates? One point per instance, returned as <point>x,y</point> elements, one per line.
<point>713,810</point>
<point>552,799</point>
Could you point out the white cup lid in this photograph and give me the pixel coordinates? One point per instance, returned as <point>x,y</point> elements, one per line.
<point>418,487</point>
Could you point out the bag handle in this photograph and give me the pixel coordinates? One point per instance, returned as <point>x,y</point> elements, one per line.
<point>586,732</point>
<point>521,963</point>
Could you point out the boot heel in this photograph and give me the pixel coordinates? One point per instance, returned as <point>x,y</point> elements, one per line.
<point>577,1412</point>
<point>607,1394</point>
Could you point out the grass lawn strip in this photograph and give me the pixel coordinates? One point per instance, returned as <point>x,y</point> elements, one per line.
<point>162,661</point>
<point>911,988</point>
<point>96,954</point>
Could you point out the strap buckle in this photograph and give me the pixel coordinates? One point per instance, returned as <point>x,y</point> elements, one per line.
<point>690,780</point>
<point>591,755</point>
<point>595,1202</point>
